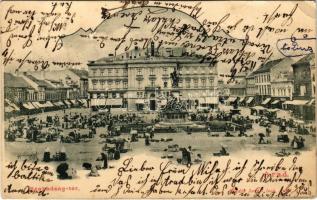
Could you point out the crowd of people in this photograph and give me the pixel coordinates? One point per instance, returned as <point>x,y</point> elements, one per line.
<point>75,127</point>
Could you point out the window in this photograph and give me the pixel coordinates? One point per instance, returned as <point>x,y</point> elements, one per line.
<point>117,84</point>
<point>152,83</point>
<point>94,72</point>
<point>203,82</point>
<point>139,94</point>
<point>94,84</point>
<point>152,71</point>
<point>139,84</point>
<point>302,90</point>
<point>188,83</point>
<point>109,72</point>
<point>102,83</point>
<point>102,71</point>
<point>211,82</point>
<point>139,71</point>
<point>125,84</point>
<point>110,84</point>
<point>195,83</point>
<point>165,84</point>
<point>125,72</point>
<point>114,95</point>
<point>117,71</point>
<point>164,70</point>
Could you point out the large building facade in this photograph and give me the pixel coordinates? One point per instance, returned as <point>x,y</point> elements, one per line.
<point>141,79</point>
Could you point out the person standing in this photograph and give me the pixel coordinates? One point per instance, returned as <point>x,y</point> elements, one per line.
<point>63,156</point>
<point>104,158</point>
<point>47,155</point>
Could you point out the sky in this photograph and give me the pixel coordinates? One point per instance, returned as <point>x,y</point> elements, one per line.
<point>87,16</point>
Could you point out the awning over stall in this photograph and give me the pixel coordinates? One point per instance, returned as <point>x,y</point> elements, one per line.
<point>74,102</point>
<point>37,104</point>
<point>311,102</point>
<point>113,102</point>
<point>13,105</point>
<point>98,102</point>
<point>232,99</point>
<point>8,109</point>
<point>275,102</point>
<point>250,99</point>
<point>59,103</point>
<point>67,102</point>
<point>258,108</point>
<point>49,104</point>
<point>212,100</point>
<point>266,101</point>
<point>139,101</point>
<point>242,99</point>
<point>296,102</point>
<point>201,100</point>
<point>28,106</point>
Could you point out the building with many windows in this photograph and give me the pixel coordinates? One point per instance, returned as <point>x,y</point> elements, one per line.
<point>281,82</point>
<point>142,79</point>
<point>304,94</point>
<point>262,81</point>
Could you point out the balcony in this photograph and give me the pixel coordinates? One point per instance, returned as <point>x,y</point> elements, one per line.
<point>152,77</point>
<point>152,88</point>
<point>139,77</point>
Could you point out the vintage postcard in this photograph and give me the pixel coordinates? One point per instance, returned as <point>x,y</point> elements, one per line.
<point>158,99</point>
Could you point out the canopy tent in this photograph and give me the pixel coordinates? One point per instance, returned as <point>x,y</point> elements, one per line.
<point>49,104</point>
<point>113,102</point>
<point>83,101</point>
<point>273,110</point>
<point>311,102</point>
<point>232,99</point>
<point>250,99</point>
<point>8,109</point>
<point>36,104</point>
<point>74,102</point>
<point>296,102</point>
<point>67,102</point>
<point>28,106</point>
<point>59,103</point>
<point>241,99</point>
<point>13,105</point>
<point>275,102</point>
<point>266,101</point>
<point>258,108</point>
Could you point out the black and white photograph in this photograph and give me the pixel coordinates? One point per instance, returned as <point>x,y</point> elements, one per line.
<point>158,99</point>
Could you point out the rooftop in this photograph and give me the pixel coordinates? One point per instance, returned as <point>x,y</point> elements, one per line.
<point>266,67</point>
<point>39,82</point>
<point>305,60</point>
<point>14,81</point>
<point>83,74</point>
<point>161,55</point>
